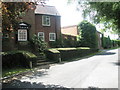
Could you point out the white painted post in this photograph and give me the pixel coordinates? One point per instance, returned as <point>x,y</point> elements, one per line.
<point>59,58</point>
<point>30,64</point>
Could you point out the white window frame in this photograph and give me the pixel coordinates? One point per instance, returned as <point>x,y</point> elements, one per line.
<point>42,36</point>
<point>45,18</point>
<point>19,37</point>
<point>50,36</point>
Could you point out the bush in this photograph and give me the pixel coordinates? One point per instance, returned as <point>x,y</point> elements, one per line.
<point>37,42</point>
<point>17,59</point>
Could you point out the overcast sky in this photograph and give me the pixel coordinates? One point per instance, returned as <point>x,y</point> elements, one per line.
<point>69,14</point>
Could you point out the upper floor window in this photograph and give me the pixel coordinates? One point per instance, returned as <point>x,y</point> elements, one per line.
<point>52,36</point>
<point>45,20</point>
<point>22,35</point>
<point>41,35</point>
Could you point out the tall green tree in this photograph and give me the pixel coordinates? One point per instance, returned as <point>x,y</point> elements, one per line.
<point>88,34</point>
<point>107,13</point>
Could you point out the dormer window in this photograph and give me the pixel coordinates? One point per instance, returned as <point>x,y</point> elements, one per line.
<point>45,20</point>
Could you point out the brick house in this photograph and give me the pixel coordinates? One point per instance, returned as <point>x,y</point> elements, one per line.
<point>47,21</point>
<point>44,21</point>
<point>72,32</point>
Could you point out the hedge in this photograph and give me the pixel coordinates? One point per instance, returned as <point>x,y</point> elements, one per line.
<point>17,59</point>
<point>68,53</point>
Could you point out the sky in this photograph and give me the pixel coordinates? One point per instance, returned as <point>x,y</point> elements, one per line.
<point>70,15</point>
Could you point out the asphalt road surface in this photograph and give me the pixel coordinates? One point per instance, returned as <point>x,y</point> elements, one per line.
<point>100,71</point>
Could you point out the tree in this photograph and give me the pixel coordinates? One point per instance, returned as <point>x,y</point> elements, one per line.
<point>13,11</point>
<point>88,34</point>
<point>107,13</point>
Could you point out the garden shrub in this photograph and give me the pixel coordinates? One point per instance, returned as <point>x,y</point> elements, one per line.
<point>17,59</point>
<point>38,43</point>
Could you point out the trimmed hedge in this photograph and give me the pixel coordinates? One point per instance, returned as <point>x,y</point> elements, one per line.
<point>52,54</point>
<point>78,52</point>
<point>17,59</point>
<point>68,53</point>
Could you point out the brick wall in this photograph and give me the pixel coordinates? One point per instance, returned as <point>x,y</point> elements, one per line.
<point>53,28</point>
<point>30,19</point>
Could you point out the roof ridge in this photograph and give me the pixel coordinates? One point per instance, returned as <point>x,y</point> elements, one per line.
<point>68,26</point>
<point>45,5</point>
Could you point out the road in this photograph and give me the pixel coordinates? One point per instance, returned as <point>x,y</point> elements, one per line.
<point>99,71</point>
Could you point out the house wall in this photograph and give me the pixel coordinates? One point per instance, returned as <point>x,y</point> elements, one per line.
<point>30,19</point>
<point>53,28</point>
<point>70,37</point>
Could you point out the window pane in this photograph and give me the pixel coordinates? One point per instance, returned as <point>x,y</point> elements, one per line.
<point>46,20</point>
<point>41,35</point>
<point>22,35</point>
<point>52,37</point>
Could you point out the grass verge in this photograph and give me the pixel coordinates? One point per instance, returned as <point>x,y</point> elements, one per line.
<point>13,71</point>
<point>113,48</point>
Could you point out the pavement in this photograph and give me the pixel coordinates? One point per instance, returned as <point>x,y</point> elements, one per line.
<point>99,71</point>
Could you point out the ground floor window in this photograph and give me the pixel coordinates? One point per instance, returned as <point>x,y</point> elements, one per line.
<point>22,35</point>
<point>41,35</point>
<point>52,36</point>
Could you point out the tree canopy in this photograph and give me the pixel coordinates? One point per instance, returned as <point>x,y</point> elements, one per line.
<point>107,13</point>
<point>13,11</point>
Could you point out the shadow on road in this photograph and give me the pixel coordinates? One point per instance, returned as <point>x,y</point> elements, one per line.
<point>18,85</point>
<point>117,63</point>
<point>36,74</point>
